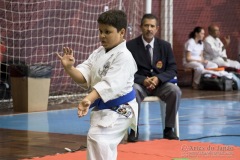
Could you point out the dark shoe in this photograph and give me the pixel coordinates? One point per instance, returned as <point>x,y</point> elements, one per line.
<point>170,135</point>
<point>132,137</point>
<point>195,86</point>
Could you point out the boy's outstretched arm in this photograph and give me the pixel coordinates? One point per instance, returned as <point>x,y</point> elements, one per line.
<point>68,61</point>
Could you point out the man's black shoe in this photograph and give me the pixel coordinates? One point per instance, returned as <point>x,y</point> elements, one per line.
<point>170,135</point>
<point>132,137</point>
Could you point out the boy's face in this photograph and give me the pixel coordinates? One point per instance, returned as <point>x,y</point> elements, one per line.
<point>109,36</point>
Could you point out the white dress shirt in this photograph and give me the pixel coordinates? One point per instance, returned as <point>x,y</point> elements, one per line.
<point>151,48</point>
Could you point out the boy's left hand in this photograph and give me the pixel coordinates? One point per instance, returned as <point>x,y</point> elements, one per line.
<point>83,107</point>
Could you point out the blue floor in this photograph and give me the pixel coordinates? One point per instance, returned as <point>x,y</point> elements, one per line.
<point>213,121</point>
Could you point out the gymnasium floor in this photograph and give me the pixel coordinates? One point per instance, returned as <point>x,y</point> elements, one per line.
<point>205,116</point>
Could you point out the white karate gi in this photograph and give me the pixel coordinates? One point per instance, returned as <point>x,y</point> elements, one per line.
<point>112,75</point>
<point>196,49</point>
<point>213,52</point>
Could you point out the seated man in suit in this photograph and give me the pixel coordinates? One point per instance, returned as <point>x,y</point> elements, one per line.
<point>156,66</point>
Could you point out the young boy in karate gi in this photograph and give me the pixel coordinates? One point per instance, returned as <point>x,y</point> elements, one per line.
<point>109,72</point>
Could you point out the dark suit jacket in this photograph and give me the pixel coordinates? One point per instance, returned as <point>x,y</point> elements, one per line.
<point>164,65</point>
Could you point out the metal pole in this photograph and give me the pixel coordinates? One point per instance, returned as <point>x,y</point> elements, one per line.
<point>120,5</point>
<point>148,6</point>
<point>167,20</point>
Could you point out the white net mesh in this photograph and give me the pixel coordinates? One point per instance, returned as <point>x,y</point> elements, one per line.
<point>33,31</point>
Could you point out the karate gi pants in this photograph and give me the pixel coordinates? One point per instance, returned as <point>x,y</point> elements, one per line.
<point>199,69</point>
<point>106,131</point>
<point>230,63</point>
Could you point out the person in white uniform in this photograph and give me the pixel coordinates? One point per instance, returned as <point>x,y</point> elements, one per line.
<point>109,72</point>
<point>193,55</point>
<point>215,50</point>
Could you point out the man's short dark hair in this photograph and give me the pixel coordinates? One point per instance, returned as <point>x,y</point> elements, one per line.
<point>149,16</point>
<point>115,18</point>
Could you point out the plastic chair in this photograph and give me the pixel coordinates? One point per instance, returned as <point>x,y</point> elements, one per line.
<point>149,99</point>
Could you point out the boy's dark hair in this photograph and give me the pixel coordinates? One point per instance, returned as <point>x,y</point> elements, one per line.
<point>115,18</point>
<point>149,16</point>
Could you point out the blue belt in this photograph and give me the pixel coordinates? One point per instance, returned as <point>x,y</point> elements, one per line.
<point>114,104</point>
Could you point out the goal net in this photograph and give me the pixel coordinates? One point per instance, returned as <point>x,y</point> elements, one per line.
<point>33,31</point>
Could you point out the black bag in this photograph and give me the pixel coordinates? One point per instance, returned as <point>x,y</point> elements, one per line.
<point>34,71</point>
<point>213,82</point>
<point>236,81</point>
<point>4,91</point>
<point>236,77</point>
